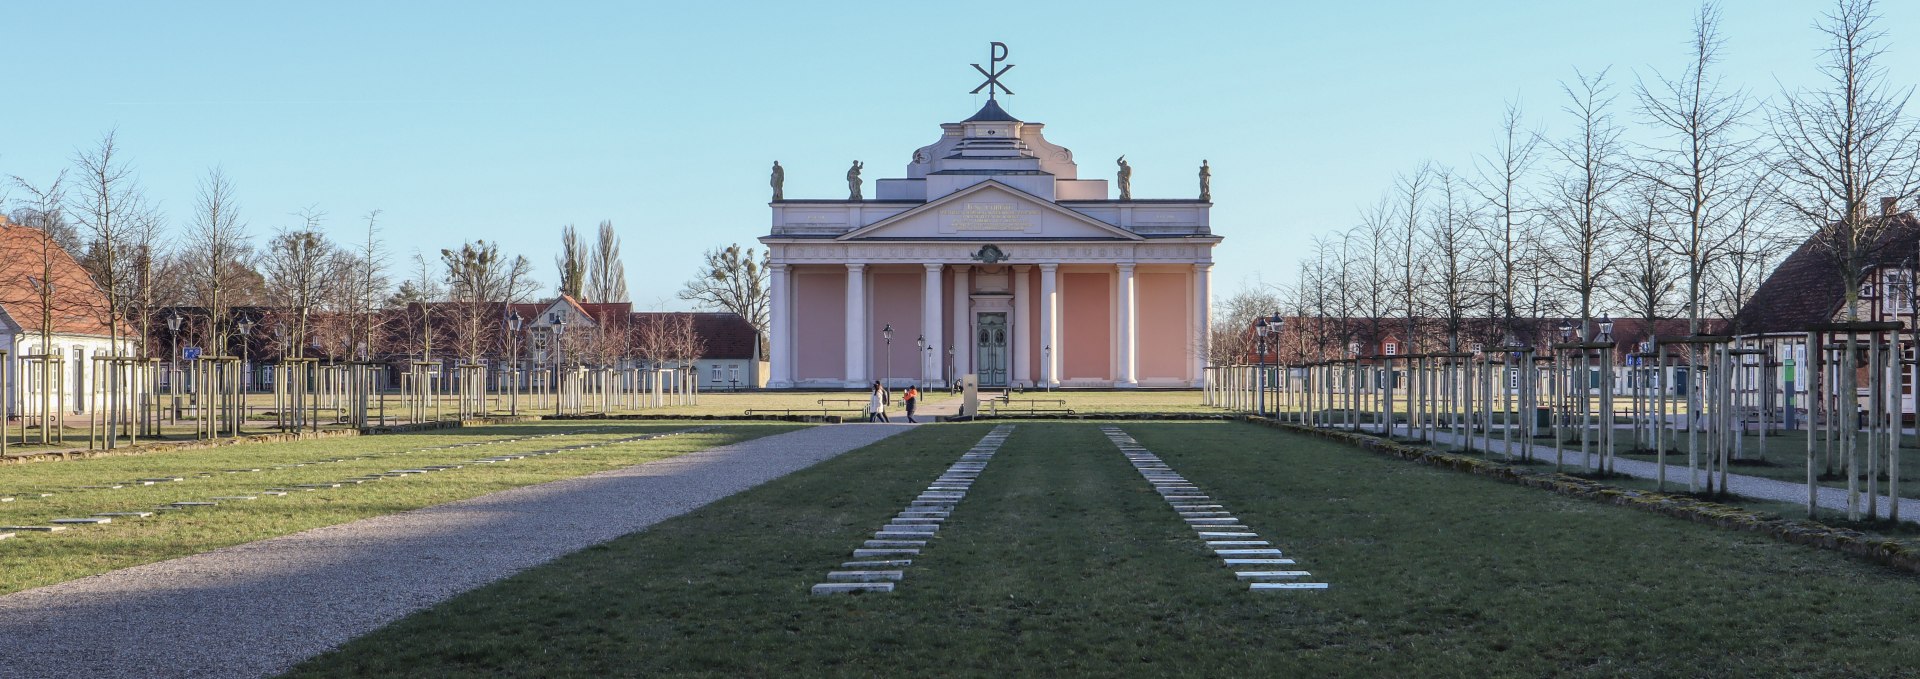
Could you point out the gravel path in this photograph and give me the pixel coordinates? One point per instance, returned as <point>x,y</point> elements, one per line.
<point>1749,486</point>
<point>257,609</point>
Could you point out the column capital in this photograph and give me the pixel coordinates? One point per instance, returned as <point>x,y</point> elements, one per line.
<point>777,266</point>
<point>1202,266</point>
<point>1022,268</point>
<point>1049,266</point>
<point>856,266</point>
<point>1125,266</point>
<point>934,266</point>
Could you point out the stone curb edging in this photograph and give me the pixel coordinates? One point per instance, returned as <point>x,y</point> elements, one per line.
<point>205,444</point>
<point>1883,551</point>
<point>1100,416</point>
<point>812,419</point>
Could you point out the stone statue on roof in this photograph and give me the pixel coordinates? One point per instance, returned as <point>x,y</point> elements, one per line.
<point>853,181</point>
<point>1206,182</point>
<point>1126,178</point>
<point>779,179</point>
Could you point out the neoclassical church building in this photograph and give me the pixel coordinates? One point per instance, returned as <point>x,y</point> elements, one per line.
<point>991,256</point>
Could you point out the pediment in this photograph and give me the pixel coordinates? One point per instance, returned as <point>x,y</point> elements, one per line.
<point>990,210</point>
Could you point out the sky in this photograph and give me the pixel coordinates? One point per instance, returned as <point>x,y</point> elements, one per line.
<point>506,121</point>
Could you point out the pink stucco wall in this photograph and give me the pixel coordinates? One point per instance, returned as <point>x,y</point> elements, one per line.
<point>896,299</point>
<point>820,323</point>
<point>1164,302</point>
<point>1086,325</point>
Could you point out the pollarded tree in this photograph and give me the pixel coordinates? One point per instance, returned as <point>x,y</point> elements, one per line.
<point>1510,233</point>
<point>218,253</point>
<point>300,268</point>
<point>1581,213</point>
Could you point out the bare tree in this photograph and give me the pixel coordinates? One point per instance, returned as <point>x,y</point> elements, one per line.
<point>1590,171</point>
<point>44,212</point>
<point>1647,278</point>
<point>480,282</point>
<point>218,252</point>
<point>606,275</point>
<point>733,280</point>
<point>1705,150</point>
<point>1233,319</point>
<point>1449,237</point>
<point>112,209</point>
<point>1842,146</point>
<point>1510,233</point>
<point>300,268</point>
<point>1751,252</point>
<point>1410,195</point>
<point>572,264</point>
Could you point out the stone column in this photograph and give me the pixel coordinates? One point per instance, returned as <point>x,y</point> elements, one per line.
<point>930,357</point>
<point>1022,347</point>
<point>857,326</point>
<point>780,331</point>
<point>1203,318</point>
<point>1049,325</point>
<point>1129,360</point>
<point>962,322</point>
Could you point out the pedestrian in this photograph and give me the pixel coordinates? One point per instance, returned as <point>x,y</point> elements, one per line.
<point>886,401</point>
<point>875,408</point>
<point>912,395</point>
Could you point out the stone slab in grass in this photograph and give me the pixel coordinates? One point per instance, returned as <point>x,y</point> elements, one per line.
<point>164,479</point>
<point>318,485</point>
<point>1270,575</point>
<point>1204,513</point>
<point>1212,520</point>
<point>87,521</point>
<point>919,519</point>
<point>36,529</point>
<point>1185,508</point>
<point>1186,498</point>
<point>878,553</point>
<point>1287,585</point>
<point>126,515</point>
<point>6,499</point>
<point>106,487</point>
<point>865,576</point>
<point>883,563</point>
<point>826,588</point>
<point>275,493</point>
<point>192,504</point>
<point>1257,562</point>
<point>912,527</point>
<point>900,534</point>
<point>4,536</point>
<point>1247,552</point>
<point>885,544</point>
<point>1227,534</point>
<point>1238,543</point>
<point>224,498</point>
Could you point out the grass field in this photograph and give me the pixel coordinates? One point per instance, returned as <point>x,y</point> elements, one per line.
<point>1062,561</point>
<point>35,559</point>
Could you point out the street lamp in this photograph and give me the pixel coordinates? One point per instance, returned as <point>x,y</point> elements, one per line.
<point>513,361</point>
<point>1260,331</point>
<point>950,384</point>
<point>173,330</point>
<point>921,353</point>
<point>246,331</point>
<point>1566,331</point>
<point>1606,328</point>
<point>559,325</point>
<point>886,334</point>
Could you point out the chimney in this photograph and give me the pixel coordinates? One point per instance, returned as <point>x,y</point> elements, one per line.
<point>1889,206</point>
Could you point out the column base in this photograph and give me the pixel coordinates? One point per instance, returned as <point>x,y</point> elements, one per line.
<point>780,384</point>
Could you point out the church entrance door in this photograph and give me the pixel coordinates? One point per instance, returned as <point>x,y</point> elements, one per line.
<point>990,349</point>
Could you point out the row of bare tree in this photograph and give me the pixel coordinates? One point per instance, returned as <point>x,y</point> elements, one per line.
<point>1682,216</point>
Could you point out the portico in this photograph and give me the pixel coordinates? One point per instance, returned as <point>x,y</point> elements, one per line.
<point>990,257</point>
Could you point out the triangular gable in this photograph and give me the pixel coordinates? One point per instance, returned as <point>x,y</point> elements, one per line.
<point>990,209</point>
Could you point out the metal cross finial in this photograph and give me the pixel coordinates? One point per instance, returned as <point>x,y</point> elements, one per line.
<point>995,54</point>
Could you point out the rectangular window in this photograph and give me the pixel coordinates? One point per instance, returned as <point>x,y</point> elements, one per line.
<point>1393,348</point>
<point>716,372</point>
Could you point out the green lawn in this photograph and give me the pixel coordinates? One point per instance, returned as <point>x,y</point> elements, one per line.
<point>36,559</point>
<point>1062,561</point>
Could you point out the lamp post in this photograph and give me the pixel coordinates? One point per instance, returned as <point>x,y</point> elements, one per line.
<point>1274,324</point>
<point>921,353</point>
<point>245,326</point>
<point>886,378</point>
<point>559,325</point>
<point>1260,361</point>
<point>513,362</point>
<point>950,384</point>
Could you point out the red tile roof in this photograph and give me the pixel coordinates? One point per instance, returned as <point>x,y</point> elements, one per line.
<point>1806,288</point>
<point>79,306</point>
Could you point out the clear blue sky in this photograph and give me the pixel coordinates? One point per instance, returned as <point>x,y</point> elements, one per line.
<point>504,121</point>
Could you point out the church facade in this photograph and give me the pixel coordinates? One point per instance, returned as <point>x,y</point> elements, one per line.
<point>990,257</point>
